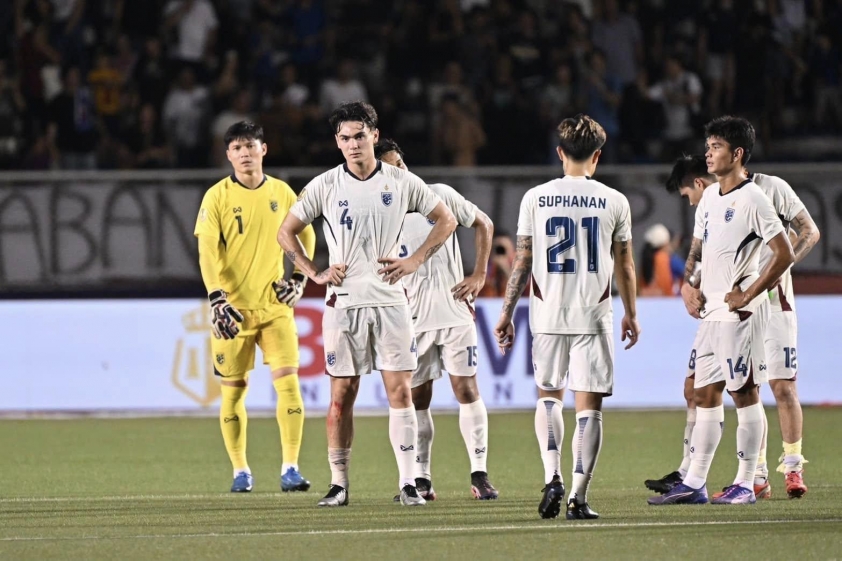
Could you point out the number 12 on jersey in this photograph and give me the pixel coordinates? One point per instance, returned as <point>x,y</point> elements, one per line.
<point>555,264</point>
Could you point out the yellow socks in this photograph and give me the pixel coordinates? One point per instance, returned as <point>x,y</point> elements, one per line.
<point>791,459</point>
<point>290,414</point>
<point>233,421</point>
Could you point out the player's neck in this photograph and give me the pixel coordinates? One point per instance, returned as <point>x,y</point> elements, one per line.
<point>577,169</point>
<point>730,180</point>
<point>362,169</point>
<point>250,180</point>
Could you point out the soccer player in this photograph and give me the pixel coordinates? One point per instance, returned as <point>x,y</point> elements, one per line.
<point>690,178</point>
<point>367,322</point>
<point>733,219</point>
<point>440,296</point>
<point>243,271</point>
<point>580,230</point>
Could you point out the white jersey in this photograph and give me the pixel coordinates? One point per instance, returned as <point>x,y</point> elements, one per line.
<point>433,306</point>
<point>362,224</point>
<point>787,205</point>
<point>573,222</point>
<point>732,228</point>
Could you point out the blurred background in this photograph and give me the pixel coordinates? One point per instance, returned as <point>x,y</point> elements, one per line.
<point>112,114</point>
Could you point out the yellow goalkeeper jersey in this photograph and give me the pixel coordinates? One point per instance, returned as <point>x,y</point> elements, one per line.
<point>245,223</point>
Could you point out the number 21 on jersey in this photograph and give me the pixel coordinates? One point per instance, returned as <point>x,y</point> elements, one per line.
<point>567,225</point>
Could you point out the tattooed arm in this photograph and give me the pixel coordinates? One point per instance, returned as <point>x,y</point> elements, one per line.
<point>288,238</point>
<point>626,278</point>
<point>690,293</point>
<point>521,270</point>
<point>808,235</point>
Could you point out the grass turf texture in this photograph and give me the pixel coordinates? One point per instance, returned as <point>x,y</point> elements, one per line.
<point>157,488</point>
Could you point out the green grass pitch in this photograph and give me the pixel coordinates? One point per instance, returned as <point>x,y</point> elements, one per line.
<point>157,489</point>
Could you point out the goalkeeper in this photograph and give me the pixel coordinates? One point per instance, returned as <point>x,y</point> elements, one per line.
<point>251,303</point>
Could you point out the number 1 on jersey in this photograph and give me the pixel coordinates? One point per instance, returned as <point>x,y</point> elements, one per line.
<point>568,266</point>
<point>239,223</point>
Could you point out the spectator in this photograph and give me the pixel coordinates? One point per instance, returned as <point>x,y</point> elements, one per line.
<point>145,145</point>
<point>240,110</point>
<point>195,24</point>
<point>293,92</point>
<point>460,133</point>
<point>67,32</point>
<point>12,109</point>
<point>150,73</point>
<point>655,272</point>
<point>826,67</point>
<point>345,87</point>
<point>500,265</point>
<point>72,129</point>
<point>603,97</point>
<point>680,92</point>
<point>526,50</point>
<point>717,41</point>
<point>185,115</point>
<point>618,35</point>
<point>106,83</point>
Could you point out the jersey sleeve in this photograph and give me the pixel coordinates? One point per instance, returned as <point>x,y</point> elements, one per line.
<point>464,210</point>
<point>764,220</point>
<point>699,224</point>
<point>622,230</point>
<point>308,207</point>
<point>786,202</point>
<point>525,220</point>
<point>207,222</point>
<point>421,198</point>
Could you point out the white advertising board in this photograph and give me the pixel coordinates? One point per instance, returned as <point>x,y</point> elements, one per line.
<point>154,355</point>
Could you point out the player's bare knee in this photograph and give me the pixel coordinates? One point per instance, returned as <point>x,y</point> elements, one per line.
<point>689,393</point>
<point>746,396</point>
<point>709,396</point>
<point>422,396</point>
<point>588,401</point>
<point>465,389</point>
<point>784,391</point>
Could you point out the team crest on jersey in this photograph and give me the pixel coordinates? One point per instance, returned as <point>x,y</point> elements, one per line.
<point>220,358</point>
<point>729,214</point>
<point>431,222</point>
<point>273,205</point>
<point>331,358</point>
<point>386,198</point>
<point>203,215</point>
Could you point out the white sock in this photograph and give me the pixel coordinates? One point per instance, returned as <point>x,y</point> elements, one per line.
<point>285,467</point>
<point>426,432</point>
<point>403,432</point>
<point>706,436</point>
<point>749,436</point>
<point>688,435</point>
<point>549,428</point>
<point>761,474</point>
<point>473,422</point>
<point>340,461</point>
<point>587,442</point>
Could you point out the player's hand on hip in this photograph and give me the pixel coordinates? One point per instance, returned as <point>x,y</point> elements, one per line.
<point>694,301</point>
<point>290,292</point>
<point>224,316</point>
<point>395,269</point>
<point>332,275</point>
<point>468,289</point>
<point>736,299</point>
<point>631,331</point>
<point>504,332</point>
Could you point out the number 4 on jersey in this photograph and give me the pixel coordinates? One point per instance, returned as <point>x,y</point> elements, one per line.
<point>568,266</point>
<point>346,220</point>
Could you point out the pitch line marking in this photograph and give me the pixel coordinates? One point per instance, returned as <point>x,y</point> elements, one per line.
<point>442,529</point>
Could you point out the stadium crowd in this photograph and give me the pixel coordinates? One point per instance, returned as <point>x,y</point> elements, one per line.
<point>155,83</point>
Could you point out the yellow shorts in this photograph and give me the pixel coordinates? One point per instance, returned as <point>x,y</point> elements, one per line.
<point>272,328</point>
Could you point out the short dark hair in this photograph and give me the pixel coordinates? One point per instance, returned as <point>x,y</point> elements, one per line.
<point>736,131</point>
<point>355,111</point>
<point>243,130</point>
<point>580,136</point>
<point>686,169</point>
<point>386,145</point>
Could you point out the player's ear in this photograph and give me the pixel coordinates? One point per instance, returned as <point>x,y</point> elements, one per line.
<point>376,134</point>
<point>264,149</point>
<point>560,153</point>
<point>595,157</point>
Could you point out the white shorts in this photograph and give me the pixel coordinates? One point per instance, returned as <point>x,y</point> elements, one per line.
<point>453,349</point>
<point>731,351</point>
<point>582,363</point>
<point>360,340</point>
<point>781,343</point>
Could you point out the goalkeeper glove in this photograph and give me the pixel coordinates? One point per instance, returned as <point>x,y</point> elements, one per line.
<point>224,316</point>
<point>290,292</point>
